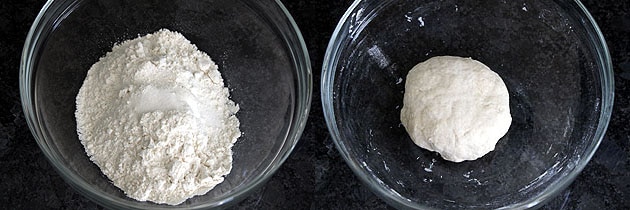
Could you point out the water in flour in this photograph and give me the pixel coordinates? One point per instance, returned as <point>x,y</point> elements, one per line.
<point>154,115</point>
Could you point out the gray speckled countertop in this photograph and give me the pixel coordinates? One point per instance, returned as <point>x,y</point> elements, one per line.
<point>315,176</point>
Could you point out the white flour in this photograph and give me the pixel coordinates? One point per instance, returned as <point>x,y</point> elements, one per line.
<point>155,117</point>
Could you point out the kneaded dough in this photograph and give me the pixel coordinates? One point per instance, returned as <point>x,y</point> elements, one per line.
<point>455,106</point>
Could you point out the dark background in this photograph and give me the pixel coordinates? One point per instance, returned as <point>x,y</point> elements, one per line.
<point>314,176</point>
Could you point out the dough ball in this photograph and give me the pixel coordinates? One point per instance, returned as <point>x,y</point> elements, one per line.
<point>455,106</point>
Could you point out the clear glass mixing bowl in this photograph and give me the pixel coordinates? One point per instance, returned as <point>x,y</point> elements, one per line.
<point>256,44</point>
<point>551,56</point>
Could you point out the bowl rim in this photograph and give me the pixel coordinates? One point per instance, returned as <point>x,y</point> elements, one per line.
<point>331,59</point>
<point>44,24</point>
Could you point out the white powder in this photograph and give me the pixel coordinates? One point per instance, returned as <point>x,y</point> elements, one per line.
<point>155,117</point>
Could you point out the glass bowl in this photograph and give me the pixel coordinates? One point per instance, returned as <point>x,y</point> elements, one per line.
<point>256,44</point>
<point>550,54</point>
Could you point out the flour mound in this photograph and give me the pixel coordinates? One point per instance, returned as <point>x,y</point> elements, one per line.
<point>153,114</point>
<point>455,106</point>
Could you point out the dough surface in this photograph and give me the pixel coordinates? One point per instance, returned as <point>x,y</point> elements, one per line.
<point>455,106</point>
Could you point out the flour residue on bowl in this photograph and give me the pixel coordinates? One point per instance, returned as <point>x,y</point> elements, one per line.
<point>429,169</point>
<point>377,55</point>
<point>421,21</point>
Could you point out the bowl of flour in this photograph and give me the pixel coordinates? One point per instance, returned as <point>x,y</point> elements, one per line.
<point>146,105</point>
<point>467,104</point>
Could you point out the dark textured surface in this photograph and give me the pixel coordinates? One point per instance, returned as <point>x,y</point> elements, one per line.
<point>314,176</point>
